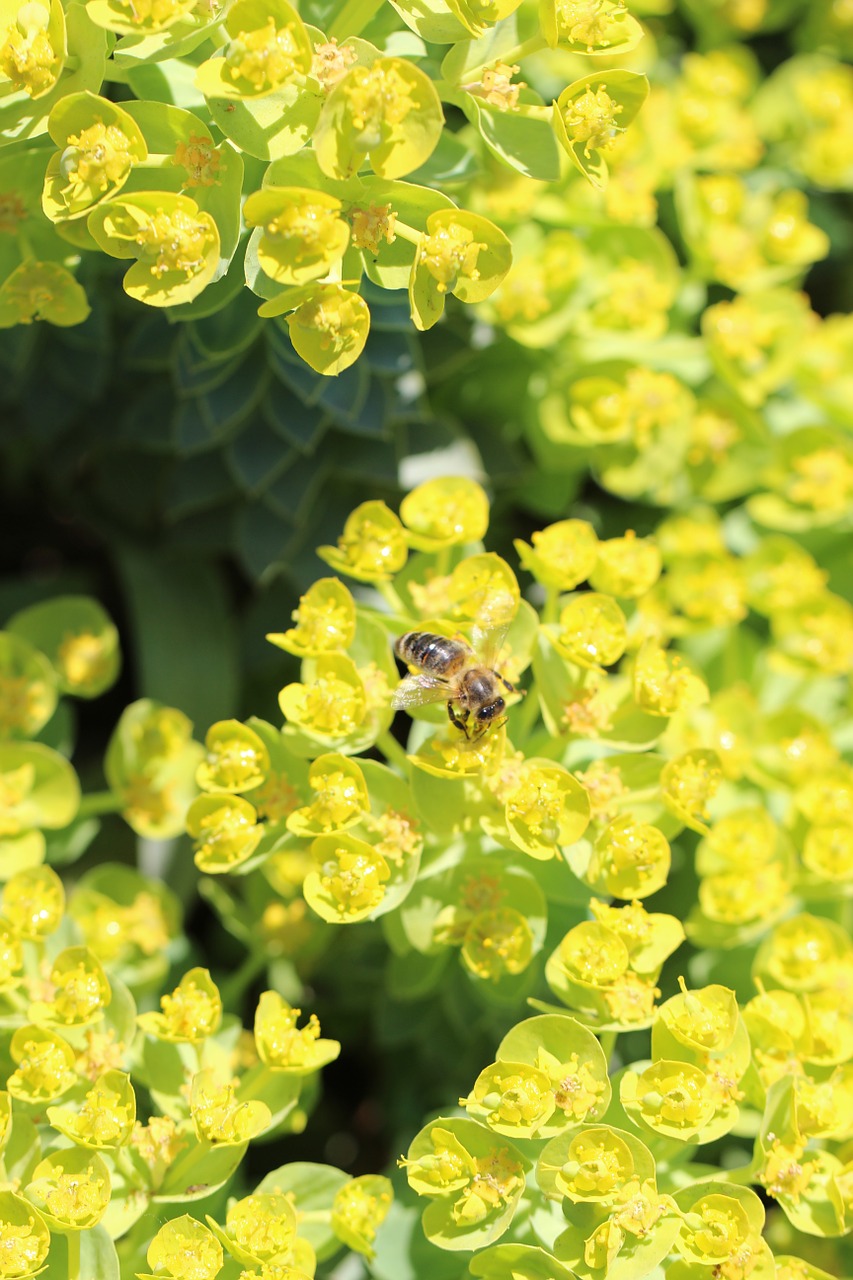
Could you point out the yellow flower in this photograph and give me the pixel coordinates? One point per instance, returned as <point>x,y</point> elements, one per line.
<point>498,943</point>
<point>446,1168</point>
<point>498,1178</point>
<point>265,57</point>
<point>95,160</point>
<point>445,512</point>
<point>24,1237</point>
<point>689,783</point>
<point>226,832</point>
<point>71,1188</point>
<point>201,160</point>
<point>598,1165</point>
<point>626,567</point>
<point>158,1144</point>
<point>28,57</point>
<point>372,546</point>
<point>184,1249</point>
<point>341,798</point>
<point>191,1013</point>
<point>512,1097</point>
<point>591,119</point>
<point>630,859</point>
<point>106,1118</point>
<point>219,1117</point>
<point>261,1228</point>
<point>593,631</point>
<point>359,1209</point>
<point>34,903</point>
<point>45,1065</point>
<point>562,554</point>
<point>237,759</point>
<point>282,1045</point>
<point>80,989</point>
<point>546,809</point>
<point>348,882</point>
<point>325,621</point>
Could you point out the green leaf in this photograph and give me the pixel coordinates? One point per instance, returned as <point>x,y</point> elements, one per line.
<point>185,643</point>
<point>518,1262</point>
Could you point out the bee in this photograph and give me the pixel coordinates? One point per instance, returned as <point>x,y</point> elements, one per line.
<point>453,671</point>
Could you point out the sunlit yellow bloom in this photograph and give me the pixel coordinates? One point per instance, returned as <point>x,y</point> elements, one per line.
<point>191,1013</point>
<point>34,902</point>
<point>282,1045</point>
<point>219,1117</point>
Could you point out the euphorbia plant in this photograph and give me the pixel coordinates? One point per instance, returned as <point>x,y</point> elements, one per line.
<point>644,873</point>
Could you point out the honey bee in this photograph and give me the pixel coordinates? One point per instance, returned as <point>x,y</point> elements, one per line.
<point>453,671</point>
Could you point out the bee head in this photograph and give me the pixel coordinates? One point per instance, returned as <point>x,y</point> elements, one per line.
<point>485,715</point>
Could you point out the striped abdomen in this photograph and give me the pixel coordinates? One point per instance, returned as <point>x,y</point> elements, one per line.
<point>438,655</point>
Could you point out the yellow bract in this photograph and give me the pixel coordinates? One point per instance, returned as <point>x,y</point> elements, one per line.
<point>191,1013</point>
<point>282,1045</point>
<point>372,546</point>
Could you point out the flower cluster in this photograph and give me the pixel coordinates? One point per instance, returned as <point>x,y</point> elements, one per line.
<point>275,155</point>
<point>648,734</point>
<point>672,706</point>
<point>114,1121</point>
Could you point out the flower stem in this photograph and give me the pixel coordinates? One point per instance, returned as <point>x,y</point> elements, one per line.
<point>73,1241</point>
<point>405,232</point>
<point>391,598</point>
<point>552,600</point>
<point>607,1040</point>
<point>353,18</point>
<point>233,988</point>
<point>99,802</point>
<point>524,50</point>
<point>393,752</point>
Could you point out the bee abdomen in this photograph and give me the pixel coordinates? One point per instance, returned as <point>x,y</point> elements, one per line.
<point>437,654</point>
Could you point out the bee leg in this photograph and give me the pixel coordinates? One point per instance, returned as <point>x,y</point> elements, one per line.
<point>458,722</point>
<point>506,684</point>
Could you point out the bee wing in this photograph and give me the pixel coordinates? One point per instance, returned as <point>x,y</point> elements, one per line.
<point>487,640</point>
<point>419,691</point>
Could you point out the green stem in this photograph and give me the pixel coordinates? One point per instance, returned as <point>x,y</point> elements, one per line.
<point>99,802</point>
<point>442,562</point>
<point>552,602</point>
<point>254,1081</point>
<point>607,1040</point>
<point>405,232</point>
<point>524,50</point>
<point>527,715</point>
<point>391,749</point>
<point>124,1165</point>
<point>353,18</point>
<point>391,598</point>
<point>73,1239</point>
<point>234,987</point>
